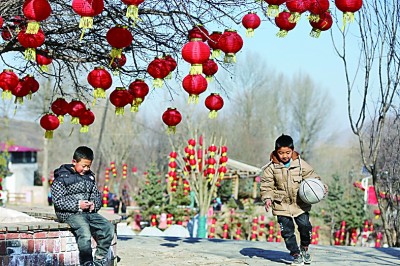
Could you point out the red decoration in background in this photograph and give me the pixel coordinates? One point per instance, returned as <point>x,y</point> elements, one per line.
<point>378,240</point>
<point>198,32</point>
<point>348,7</point>
<point>60,108</point>
<point>8,81</point>
<point>213,43</point>
<point>171,117</point>
<point>324,23</point>
<point>171,63</point>
<point>124,170</point>
<point>6,34</point>
<point>296,8</point>
<point>105,195</point>
<point>87,9</point>
<point>209,69</point>
<point>273,7</point>
<point>119,37</point>
<point>377,213</point>
<point>214,103</point>
<point>43,60</point>
<point>283,23</point>
<point>271,231</point>
<point>101,80</point>
<point>86,119</point>
<point>194,85</point>
<point>75,109</point>
<point>21,90</point>
<point>251,21</point>
<point>30,42</point>
<point>120,97</point>
<point>49,122</point>
<point>196,53</point>
<point>159,70</point>
<point>1,22</point>
<point>139,90</point>
<point>372,200</point>
<point>317,8</point>
<point>35,11</point>
<point>118,63</point>
<point>230,43</point>
<point>132,11</point>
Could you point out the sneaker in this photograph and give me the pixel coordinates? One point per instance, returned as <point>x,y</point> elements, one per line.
<point>297,260</point>
<point>306,255</point>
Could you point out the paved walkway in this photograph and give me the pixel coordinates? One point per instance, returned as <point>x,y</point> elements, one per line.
<point>170,251</point>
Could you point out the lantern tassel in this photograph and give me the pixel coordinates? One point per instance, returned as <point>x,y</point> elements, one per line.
<point>84,129</point>
<point>99,93</point>
<point>33,27</point>
<point>171,130</point>
<point>19,100</point>
<point>30,54</point>
<point>61,119</point>
<point>119,110</point>
<point>209,78</point>
<point>196,69</point>
<point>347,17</point>
<point>193,98</point>
<point>313,17</point>
<point>282,33</point>
<point>230,58</point>
<point>135,108</point>
<point>250,33</point>
<point>158,83</point>
<point>75,120</point>
<point>272,11</point>
<point>315,33</point>
<point>44,68</point>
<point>115,72</point>
<point>6,95</point>
<point>169,76</point>
<point>132,12</point>
<point>216,53</point>
<point>294,17</point>
<point>86,22</point>
<point>48,134</point>
<point>213,114</point>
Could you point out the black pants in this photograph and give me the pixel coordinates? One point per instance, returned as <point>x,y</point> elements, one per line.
<point>287,231</point>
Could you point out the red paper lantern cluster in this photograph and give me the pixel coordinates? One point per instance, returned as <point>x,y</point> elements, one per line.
<point>139,90</point>
<point>251,21</point>
<point>119,37</point>
<point>214,103</point>
<point>171,117</point>
<point>194,85</point>
<point>230,43</point>
<point>120,97</point>
<point>196,52</point>
<point>100,79</point>
<point>60,107</point>
<point>43,59</point>
<point>324,23</point>
<point>35,11</point>
<point>25,87</point>
<point>49,122</point>
<point>87,9</point>
<point>8,81</point>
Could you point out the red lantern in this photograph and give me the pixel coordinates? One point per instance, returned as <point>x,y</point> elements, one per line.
<point>49,122</point>
<point>198,32</point>
<point>296,8</point>
<point>100,80</point>
<point>120,97</point>
<point>324,23</point>
<point>35,11</point>
<point>75,110</point>
<point>209,69</point>
<point>60,108</point>
<point>283,23</point>
<point>214,103</point>
<point>213,43</point>
<point>86,119</point>
<point>251,21</point>
<point>158,69</point>
<point>194,85</point>
<point>32,83</point>
<point>171,63</point>
<point>30,42</point>
<point>230,43</point>
<point>348,7</point>
<point>377,213</point>
<point>8,81</point>
<point>20,91</point>
<point>118,37</point>
<point>171,117</point>
<point>133,9</point>
<point>118,63</point>
<point>273,7</point>
<point>6,35</point>
<point>139,89</point>
<point>43,59</point>
<point>87,9</point>
<point>1,22</point>
<point>317,8</point>
<point>196,53</point>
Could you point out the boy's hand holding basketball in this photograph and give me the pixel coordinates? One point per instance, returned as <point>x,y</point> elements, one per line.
<point>268,204</point>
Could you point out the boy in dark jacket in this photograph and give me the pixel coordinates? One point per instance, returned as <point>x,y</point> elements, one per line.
<point>77,200</point>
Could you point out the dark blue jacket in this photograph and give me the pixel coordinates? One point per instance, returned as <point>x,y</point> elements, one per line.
<point>69,187</point>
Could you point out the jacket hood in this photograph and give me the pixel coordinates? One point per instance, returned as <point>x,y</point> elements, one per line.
<point>274,157</point>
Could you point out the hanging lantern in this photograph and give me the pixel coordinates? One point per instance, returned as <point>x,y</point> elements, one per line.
<point>209,69</point>
<point>87,9</point>
<point>251,21</point>
<point>324,23</point>
<point>6,34</point>
<point>43,59</point>
<point>75,110</point>
<point>296,8</point>
<point>196,53</point>
<point>1,22</point>
<point>230,43</point>
<point>158,69</point>
<point>32,83</point>
<point>171,63</point>
<point>133,9</point>
<point>60,108</point>
<point>317,8</point>
<point>35,11</point>
<point>120,97</point>
<point>348,7</point>
<point>86,119</point>
<point>377,213</point>
<point>214,103</point>
<point>20,91</point>
<point>139,89</point>
<point>119,37</point>
<point>49,122</point>
<point>194,85</point>
<point>8,81</point>
<point>100,80</point>
<point>273,7</point>
<point>213,43</point>
<point>118,63</point>
<point>30,42</point>
<point>198,32</point>
<point>283,23</point>
<point>171,117</point>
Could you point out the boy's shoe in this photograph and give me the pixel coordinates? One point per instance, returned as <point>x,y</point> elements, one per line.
<point>306,255</point>
<point>297,260</point>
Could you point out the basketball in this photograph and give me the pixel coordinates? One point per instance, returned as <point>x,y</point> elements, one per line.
<point>311,190</point>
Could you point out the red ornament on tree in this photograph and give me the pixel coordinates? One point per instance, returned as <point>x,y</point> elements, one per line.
<point>324,23</point>
<point>139,89</point>
<point>20,91</point>
<point>118,63</point>
<point>214,103</point>
<point>119,37</point>
<point>60,108</point>
<point>196,53</point>
<point>283,23</point>
<point>35,11</point>
<point>133,9</point>
<point>75,110</point>
<point>194,85</point>
<point>30,42</point>
<point>209,69</point>
<point>158,69</point>
<point>213,43</point>
<point>230,43</point>
<point>49,122</point>
<point>198,32</point>
<point>86,119</point>
<point>43,59</point>
<point>348,7</point>
<point>296,8</point>
<point>101,80</point>
<point>273,7</point>
<point>8,81</point>
<point>6,34</point>
<point>317,8</point>
<point>171,63</point>
<point>171,117</point>
<point>251,21</point>
<point>87,9</point>
<point>120,97</point>
<point>1,22</point>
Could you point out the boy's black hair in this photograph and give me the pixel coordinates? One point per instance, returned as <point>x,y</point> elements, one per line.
<point>284,141</point>
<point>83,152</point>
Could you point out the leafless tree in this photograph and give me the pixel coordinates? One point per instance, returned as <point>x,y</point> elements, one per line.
<point>376,79</point>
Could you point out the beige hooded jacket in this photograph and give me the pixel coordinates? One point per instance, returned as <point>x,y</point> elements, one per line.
<point>281,184</point>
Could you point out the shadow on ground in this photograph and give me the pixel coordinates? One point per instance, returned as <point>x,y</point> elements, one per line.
<point>271,255</point>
